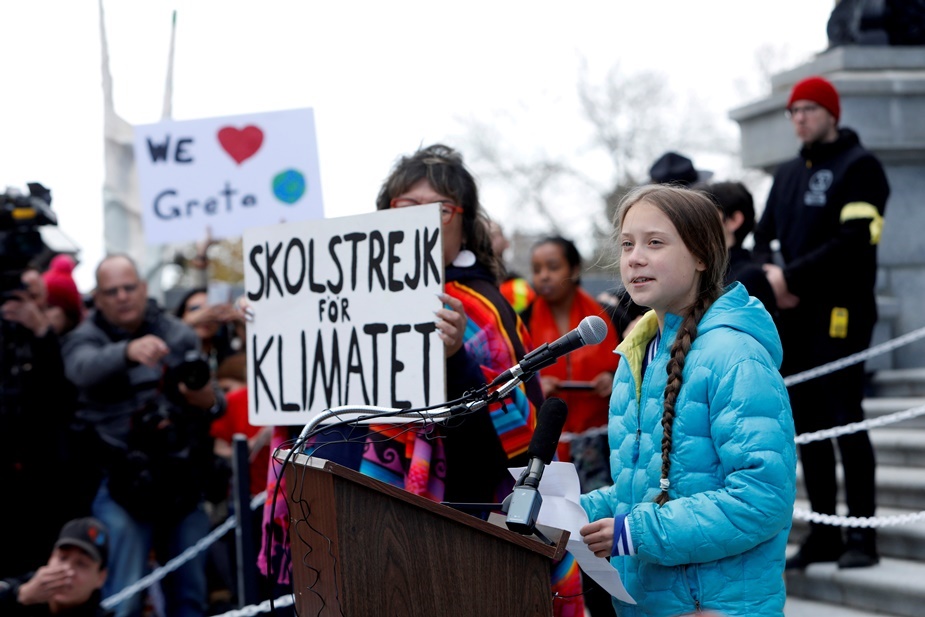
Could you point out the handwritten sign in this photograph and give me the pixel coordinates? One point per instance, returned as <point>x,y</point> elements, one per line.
<point>227,174</point>
<point>344,314</point>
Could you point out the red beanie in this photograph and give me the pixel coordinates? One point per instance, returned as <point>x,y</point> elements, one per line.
<point>62,290</point>
<point>817,90</point>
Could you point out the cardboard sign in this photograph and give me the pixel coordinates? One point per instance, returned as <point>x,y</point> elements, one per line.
<point>227,174</point>
<point>344,314</point>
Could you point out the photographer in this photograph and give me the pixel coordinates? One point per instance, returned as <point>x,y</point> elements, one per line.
<point>36,401</point>
<point>144,388</point>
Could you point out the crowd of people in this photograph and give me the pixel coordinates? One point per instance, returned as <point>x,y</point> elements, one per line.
<point>679,423</point>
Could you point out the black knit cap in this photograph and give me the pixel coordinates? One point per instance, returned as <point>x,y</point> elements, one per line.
<point>87,534</point>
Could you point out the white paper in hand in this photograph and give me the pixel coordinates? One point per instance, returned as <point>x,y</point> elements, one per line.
<point>561,509</point>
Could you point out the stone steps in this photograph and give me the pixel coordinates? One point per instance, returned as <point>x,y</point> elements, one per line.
<point>899,447</point>
<point>880,407</point>
<point>896,586</point>
<point>801,607</point>
<point>908,382</point>
<point>897,487</point>
<point>893,587</point>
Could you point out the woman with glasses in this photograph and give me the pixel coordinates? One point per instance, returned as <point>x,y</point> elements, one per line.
<point>482,338</point>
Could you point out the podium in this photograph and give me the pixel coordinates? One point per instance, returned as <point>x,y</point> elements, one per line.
<point>362,547</point>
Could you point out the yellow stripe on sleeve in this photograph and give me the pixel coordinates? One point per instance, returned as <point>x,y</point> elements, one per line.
<point>863,210</point>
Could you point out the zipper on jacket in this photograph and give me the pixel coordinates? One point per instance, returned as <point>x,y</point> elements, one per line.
<point>697,606</point>
<point>636,444</point>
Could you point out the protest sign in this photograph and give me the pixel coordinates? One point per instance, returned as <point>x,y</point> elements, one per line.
<point>227,174</point>
<point>344,314</point>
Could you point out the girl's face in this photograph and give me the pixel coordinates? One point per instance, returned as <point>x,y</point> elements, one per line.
<point>553,278</point>
<point>656,266</point>
<point>453,237</point>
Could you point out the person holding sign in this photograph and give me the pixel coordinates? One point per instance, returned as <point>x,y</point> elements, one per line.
<point>467,458</point>
<point>481,334</point>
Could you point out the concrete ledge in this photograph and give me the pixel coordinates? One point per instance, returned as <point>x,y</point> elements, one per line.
<point>855,58</point>
<point>893,587</point>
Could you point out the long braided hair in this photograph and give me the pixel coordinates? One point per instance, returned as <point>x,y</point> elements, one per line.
<point>698,222</point>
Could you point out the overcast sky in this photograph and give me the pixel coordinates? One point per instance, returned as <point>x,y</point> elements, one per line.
<point>382,77</point>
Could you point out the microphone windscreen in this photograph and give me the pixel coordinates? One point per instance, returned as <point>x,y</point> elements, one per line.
<point>592,330</point>
<point>549,423</point>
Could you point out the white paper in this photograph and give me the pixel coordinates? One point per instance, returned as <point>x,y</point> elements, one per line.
<point>562,509</point>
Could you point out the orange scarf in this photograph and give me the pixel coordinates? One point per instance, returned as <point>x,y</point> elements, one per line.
<point>586,408</point>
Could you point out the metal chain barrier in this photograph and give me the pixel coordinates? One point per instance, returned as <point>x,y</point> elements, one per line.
<point>855,427</point>
<point>858,521</point>
<point>263,607</point>
<point>158,574</point>
<point>854,358</point>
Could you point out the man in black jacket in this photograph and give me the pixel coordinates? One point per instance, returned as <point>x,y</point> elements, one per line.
<point>69,584</point>
<point>153,425</point>
<point>826,209</point>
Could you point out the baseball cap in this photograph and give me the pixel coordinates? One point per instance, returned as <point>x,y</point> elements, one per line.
<point>672,167</point>
<point>87,534</point>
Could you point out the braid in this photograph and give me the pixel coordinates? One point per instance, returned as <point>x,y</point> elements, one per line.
<point>687,332</point>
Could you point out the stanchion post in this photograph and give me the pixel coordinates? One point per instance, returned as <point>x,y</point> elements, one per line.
<point>244,529</point>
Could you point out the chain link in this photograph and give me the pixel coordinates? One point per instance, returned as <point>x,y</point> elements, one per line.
<point>841,363</point>
<point>263,607</point>
<point>858,521</point>
<point>204,543</point>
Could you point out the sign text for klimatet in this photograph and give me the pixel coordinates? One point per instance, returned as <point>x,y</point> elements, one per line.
<point>344,314</point>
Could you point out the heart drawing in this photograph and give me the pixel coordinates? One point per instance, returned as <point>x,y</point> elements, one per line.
<point>240,144</point>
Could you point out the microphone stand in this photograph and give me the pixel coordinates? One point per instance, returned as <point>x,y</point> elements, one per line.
<point>369,413</point>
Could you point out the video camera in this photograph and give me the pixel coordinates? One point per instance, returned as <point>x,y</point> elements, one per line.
<point>20,240</point>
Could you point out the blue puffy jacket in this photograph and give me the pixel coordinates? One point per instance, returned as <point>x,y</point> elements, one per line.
<point>719,543</point>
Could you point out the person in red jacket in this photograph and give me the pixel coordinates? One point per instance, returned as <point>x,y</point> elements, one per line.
<point>583,378</point>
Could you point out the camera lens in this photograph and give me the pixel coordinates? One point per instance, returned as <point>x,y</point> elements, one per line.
<point>195,373</point>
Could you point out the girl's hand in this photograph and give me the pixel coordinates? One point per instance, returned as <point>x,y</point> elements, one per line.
<point>598,536</point>
<point>451,324</point>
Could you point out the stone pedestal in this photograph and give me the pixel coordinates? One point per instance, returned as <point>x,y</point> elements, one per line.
<point>882,93</point>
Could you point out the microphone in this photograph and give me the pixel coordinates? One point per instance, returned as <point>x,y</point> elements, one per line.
<point>526,500</point>
<point>591,331</point>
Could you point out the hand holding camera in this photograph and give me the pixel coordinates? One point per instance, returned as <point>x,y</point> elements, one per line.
<point>22,309</point>
<point>148,350</point>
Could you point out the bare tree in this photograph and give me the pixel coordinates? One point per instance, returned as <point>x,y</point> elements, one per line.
<point>630,120</point>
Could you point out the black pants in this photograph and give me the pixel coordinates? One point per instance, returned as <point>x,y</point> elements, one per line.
<point>826,402</point>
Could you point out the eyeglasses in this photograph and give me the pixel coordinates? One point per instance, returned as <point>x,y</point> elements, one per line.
<point>447,208</point>
<point>790,112</point>
<point>112,292</point>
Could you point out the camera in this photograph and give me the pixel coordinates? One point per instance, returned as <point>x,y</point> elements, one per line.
<point>193,371</point>
<point>20,240</point>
